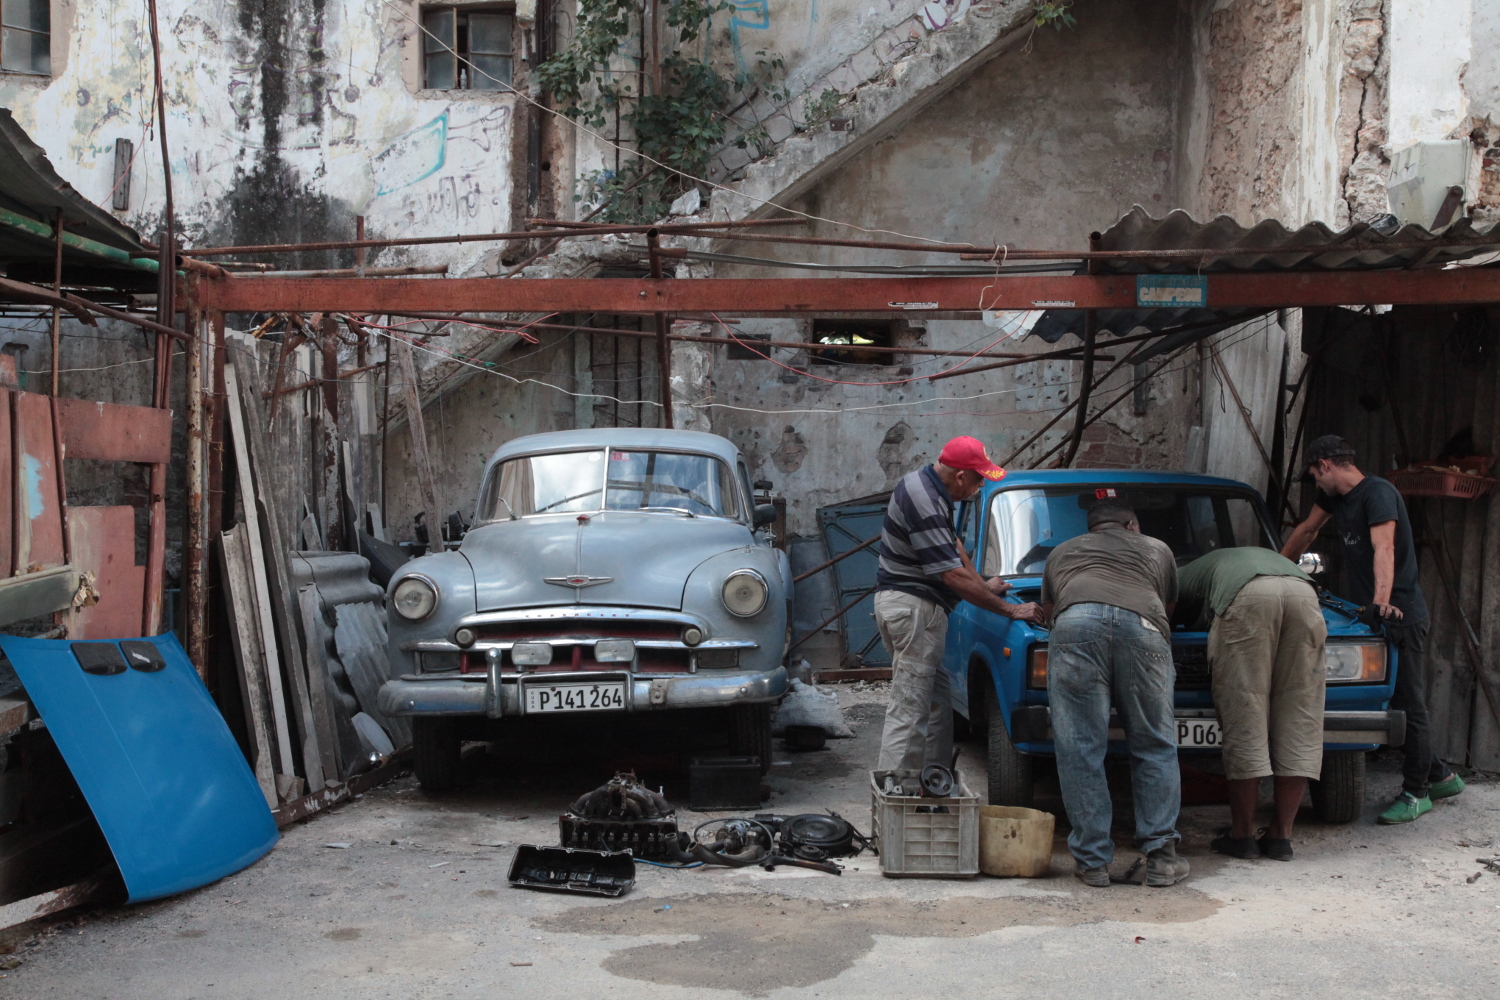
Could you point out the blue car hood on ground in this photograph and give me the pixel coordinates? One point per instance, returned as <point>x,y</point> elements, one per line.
<point>155,762</point>
<point>647,557</point>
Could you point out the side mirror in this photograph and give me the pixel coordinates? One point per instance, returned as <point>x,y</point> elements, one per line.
<point>1310,563</point>
<point>764,514</point>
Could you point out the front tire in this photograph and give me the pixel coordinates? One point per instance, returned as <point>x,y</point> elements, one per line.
<point>1338,796</point>
<point>751,728</point>
<point>436,751</point>
<point>1011,772</point>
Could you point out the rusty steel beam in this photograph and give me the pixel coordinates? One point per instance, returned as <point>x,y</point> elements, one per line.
<point>1450,286</point>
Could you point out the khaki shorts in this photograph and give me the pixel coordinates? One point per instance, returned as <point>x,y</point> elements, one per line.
<point>1266,655</point>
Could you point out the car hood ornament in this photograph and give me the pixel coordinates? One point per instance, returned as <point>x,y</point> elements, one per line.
<point>577,580</point>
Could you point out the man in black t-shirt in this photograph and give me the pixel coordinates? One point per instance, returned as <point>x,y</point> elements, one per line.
<point>1380,570</point>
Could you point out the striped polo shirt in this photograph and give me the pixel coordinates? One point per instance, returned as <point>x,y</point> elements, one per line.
<point>918,543</point>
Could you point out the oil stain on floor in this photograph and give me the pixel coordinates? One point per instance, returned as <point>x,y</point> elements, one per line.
<point>756,944</point>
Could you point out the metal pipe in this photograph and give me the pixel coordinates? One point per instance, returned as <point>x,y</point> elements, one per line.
<point>1060,414</point>
<point>837,559</point>
<point>57,225</point>
<point>195,604</point>
<point>81,244</point>
<point>841,612</point>
<point>351,272</point>
<point>663,349</point>
<point>562,232</point>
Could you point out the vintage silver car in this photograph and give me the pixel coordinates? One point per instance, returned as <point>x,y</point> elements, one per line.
<point>611,570</point>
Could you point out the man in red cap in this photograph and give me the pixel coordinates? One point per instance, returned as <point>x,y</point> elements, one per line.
<point>924,573</point>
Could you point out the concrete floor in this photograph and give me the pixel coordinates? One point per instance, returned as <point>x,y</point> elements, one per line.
<point>418,906</point>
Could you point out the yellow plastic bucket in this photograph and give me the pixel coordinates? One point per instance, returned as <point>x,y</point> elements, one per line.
<point>1015,842</point>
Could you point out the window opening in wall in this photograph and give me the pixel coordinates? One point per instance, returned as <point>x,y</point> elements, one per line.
<point>464,48</point>
<point>26,36</point>
<point>851,335</point>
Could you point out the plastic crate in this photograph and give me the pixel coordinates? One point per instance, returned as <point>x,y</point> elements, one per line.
<point>916,841</point>
<point>1439,483</point>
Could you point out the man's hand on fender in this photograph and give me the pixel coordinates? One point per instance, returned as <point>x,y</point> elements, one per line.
<point>996,585</point>
<point>1027,613</point>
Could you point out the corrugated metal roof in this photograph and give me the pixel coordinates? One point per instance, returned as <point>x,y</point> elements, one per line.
<point>29,185</point>
<point>1270,246</point>
<point>1265,246</point>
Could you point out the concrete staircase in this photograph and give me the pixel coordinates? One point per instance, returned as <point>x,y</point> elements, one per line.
<point>883,86</point>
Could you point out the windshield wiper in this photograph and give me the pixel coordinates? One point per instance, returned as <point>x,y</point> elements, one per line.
<point>670,510</point>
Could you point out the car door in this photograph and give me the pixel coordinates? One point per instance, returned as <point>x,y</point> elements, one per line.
<point>961,623</point>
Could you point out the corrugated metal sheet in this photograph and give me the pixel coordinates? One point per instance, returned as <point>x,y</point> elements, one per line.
<point>1266,246</point>
<point>1270,246</point>
<point>29,185</point>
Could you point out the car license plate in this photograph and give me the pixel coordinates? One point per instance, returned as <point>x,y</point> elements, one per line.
<point>1198,732</point>
<point>586,697</point>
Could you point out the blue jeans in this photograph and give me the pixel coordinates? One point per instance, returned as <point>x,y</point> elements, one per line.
<point>1098,653</point>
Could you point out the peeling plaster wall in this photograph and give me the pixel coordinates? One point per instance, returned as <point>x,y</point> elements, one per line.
<point>286,118</point>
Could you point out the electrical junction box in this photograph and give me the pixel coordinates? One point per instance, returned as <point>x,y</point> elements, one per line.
<point>1422,175</point>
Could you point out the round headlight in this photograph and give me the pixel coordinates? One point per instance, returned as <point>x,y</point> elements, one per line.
<point>745,592</point>
<point>414,598</point>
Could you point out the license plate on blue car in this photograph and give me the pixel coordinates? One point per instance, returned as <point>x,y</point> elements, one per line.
<point>1198,733</point>
<point>590,696</point>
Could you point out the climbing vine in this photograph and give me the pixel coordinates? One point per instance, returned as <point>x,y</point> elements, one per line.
<point>679,127</point>
<point>1055,14</point>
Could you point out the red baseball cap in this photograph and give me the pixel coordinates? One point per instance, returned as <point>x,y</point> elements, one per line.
<point>968,453</point>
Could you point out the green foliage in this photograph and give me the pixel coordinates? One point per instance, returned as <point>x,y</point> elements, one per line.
<point>1055,14</point>
<point>822,107</point>
<point>680,127</point>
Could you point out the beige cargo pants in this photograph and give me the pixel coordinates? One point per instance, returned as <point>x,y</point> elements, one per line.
<point>919,718</point>
<point>1266,654</point>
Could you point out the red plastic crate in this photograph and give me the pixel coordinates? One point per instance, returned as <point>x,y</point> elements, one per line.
<point>1435,483</point>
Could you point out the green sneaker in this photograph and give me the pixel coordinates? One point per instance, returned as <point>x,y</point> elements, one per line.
<point>1406,808</point>
<point>1447,788</point>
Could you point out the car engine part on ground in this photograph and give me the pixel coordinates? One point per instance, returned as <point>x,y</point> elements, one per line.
<point>622,797</point>
<point>937,781</point>
<point>621,815</point>
<point>743,842</point>
<point>562,869</point>
<point>807,705</point>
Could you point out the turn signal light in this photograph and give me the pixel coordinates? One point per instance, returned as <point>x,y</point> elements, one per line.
<point>1036,668</point>
<point>1354,662</point>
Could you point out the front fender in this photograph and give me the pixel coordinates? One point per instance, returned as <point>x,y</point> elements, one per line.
<point>702,596</point>
<point>454,578</point>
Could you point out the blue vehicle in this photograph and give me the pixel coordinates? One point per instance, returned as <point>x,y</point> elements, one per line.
<point>999,667</point>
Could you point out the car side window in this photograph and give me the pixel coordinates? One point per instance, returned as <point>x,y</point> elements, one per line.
<point>968,526</point>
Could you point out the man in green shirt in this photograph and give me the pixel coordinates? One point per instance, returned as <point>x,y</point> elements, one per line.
<point>1265,657</point>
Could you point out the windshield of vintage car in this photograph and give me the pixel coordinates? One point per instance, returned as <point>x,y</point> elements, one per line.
<point>574,482</point>
<point>1025,525</point>
<point>673,480</point>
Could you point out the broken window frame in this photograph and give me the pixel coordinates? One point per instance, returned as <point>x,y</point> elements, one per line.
<point>450,60</point>
<point>38,62</point>
<point>830,351</point>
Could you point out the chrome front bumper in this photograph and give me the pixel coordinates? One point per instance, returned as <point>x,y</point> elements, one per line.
<point>498,694</point>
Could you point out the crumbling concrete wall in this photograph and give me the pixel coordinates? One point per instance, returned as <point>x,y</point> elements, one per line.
<point>286,119</point>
